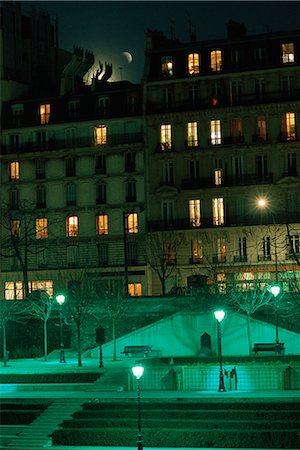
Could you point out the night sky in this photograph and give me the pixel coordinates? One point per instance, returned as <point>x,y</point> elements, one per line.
<point>110,28</point>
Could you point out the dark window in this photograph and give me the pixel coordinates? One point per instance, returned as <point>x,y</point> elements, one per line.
<point>100,193</point>
<point>14,199</point>
<point>132,252</point>
<point>130,162</point>
<point>70,167</point>
<point>261,166</point>
<point>71,194</point>
<point>40,168</point>
<point>131,191</point>
<point>194,170</point>
<point>103,253</point>
<point>41,197</point>
<point>101,164</point>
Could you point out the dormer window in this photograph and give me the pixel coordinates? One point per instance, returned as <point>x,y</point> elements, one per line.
<point>167,66</point>
<point>44,110</point>
<point>216,60</point>
<point>288,53</point>
<point>103,105</point>
<point>73,109</point>
<point>193,63</point>
<point>17,112</point>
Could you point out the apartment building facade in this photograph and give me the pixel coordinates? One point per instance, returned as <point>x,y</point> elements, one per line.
<point>101,171</point>
<point>222,124</point>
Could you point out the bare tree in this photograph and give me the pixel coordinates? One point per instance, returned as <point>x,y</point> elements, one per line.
<point>40,306</point>
<point>249,301</point>
<point>19,237</point>
<point>115,305</point>
<point>10,310</point>
<point>80,304</point>
<point>160,253</point>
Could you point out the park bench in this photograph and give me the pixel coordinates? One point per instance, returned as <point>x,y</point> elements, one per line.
<point>136,350</point>
<point>265,347</point>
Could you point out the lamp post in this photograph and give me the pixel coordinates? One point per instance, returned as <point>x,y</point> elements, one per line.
<point>275,290</point>
<point>61,300</point>
<point>262,203</point>
<point>138,373</point>
<point>219,315</point>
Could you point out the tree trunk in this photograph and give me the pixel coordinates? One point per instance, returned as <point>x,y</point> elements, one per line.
<point>4,344</point>
<point>45,341</point>
<point>249,333</point>
<point>163,285</point>
<point>79,344</point>
<point>114,338</point>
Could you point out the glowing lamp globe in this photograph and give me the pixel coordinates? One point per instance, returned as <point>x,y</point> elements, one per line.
<point>60,299</point>
<point>275,290</point>
<point>219,315</point>
<point>262,202</point>
<point>138,371</point>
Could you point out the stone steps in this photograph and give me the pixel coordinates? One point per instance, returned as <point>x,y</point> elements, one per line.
<point>37,435</point>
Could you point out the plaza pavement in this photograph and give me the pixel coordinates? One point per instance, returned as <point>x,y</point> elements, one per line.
<point>85,391</point>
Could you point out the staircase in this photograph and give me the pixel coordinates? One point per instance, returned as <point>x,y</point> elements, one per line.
<point>115,380</point>
<point>192,424</point>
<point>38,434</point>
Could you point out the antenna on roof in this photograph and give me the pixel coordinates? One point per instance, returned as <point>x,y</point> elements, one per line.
<point>192,35</point>
<point>172,28</point>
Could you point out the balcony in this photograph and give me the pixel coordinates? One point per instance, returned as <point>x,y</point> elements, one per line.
<point>240,258</point>
<point>260,139</point>
<point>81,142</point>
<point>227,181</point>
<point>163,147</point>
<point>196,260</point>
<point>287,137</point>
<point>219,259</point>
<point>261,258</point>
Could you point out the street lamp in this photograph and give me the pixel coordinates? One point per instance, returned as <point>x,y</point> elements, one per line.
<point>60,298</point>
<point>275,291</point>
<point>138,373</point>
<point>262,203</point>
<point>219,315</point>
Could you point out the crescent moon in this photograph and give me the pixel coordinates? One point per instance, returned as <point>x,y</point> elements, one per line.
<point>128,57</point>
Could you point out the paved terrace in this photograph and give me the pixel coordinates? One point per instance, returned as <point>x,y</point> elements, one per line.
<point>90,391</point>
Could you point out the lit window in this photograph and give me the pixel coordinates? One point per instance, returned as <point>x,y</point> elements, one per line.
<point>42,285</point>
<point>237,130</point>
<point>135,289</point>
<point>218,211</point>
<point>192,134</point>
<point>44,114</point>
<point>197,251</point>
<point>131,223</point>
<point>195,214</point>
<point>193,63</point>
<point>221,281</point>
<point>72,226</point>
<point>15,228</point>
<point>14,171</point>
<point>216,60</point>
<point>288,53</point>
<point>262,128</point>
<point>290,126</point>
<point>167,66</point>
<point>218,177</point>
<point>215,132</point>
<point>41,226</point>
<point>165,137</point>
<point>100,135</point>
<point>102,224</point>
<point>221,247</point>
<point>13,290</point>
